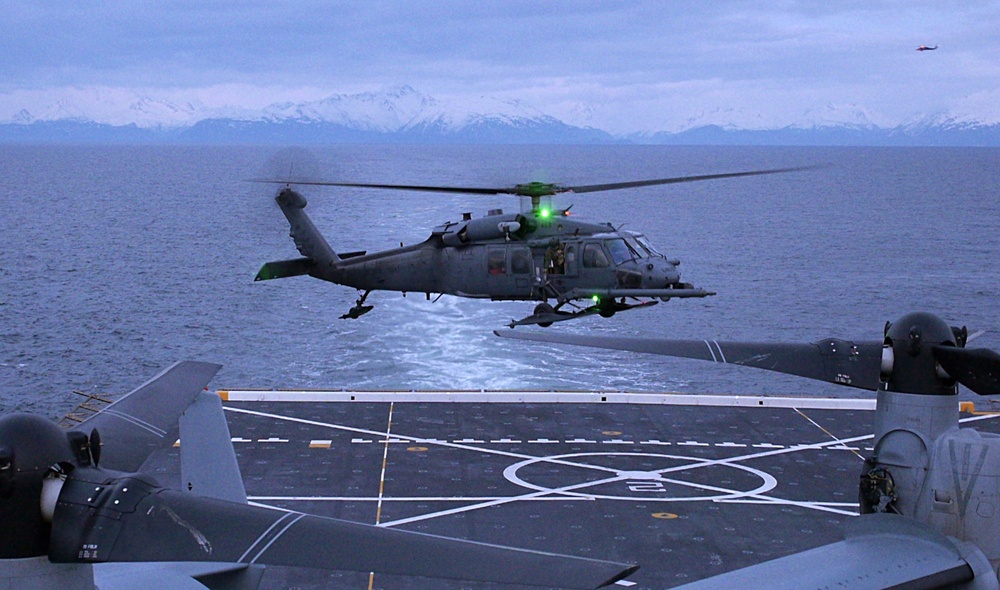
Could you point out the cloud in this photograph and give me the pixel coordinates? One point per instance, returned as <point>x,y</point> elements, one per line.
<point>605,60</point>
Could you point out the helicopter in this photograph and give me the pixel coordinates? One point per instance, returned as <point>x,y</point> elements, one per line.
<point>80,511</point>
<point>540,254</point>
<point>928,490</point>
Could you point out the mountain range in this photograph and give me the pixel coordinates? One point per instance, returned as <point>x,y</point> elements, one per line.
<point>404,115</point>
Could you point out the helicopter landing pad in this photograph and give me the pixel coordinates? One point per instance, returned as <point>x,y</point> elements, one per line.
<point>685,490</point>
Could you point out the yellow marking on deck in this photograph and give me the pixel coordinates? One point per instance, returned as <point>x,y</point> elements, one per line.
<point>665,515</point>
<point>611,432</point>
<point>385,461</point>
<point>320,444</point>
<point>416,449</point>
<point>381,484</point>
<point>177,443</point>
<point>223,394</point>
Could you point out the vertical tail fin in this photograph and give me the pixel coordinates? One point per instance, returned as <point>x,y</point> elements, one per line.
<point>208,461</point>
<point>307,238</point>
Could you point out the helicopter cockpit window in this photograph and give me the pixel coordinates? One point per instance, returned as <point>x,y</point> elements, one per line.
<point>645,244</point>
<point>619,251</point>
<point>594,256</point>
<point>637,250</point>
<point>520,261</point>
<point>497,261</point>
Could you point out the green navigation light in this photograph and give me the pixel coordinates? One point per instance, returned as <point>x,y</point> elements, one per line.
<point>545,213</point>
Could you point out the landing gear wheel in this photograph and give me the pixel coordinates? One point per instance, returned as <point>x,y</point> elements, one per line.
<point>606,309</point>
<point>544,308</point>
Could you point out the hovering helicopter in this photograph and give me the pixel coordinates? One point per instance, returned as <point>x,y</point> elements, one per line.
<point>540,254</point>
<point>928,491</point>
<point>79,512</point>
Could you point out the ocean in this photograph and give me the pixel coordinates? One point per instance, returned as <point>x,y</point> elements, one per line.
<point>117,261</point>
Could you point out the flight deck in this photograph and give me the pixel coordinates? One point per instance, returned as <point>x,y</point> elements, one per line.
<point>685,486</point>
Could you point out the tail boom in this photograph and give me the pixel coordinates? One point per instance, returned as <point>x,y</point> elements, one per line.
<point>308,239</point>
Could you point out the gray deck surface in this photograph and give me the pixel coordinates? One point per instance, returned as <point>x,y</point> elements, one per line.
<point>687,492</point>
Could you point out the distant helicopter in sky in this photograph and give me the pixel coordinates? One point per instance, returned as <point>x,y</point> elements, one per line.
<point>540,254</point>
<point>926,48</point>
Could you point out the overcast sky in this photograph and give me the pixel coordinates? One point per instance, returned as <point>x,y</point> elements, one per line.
<point>618,65</point>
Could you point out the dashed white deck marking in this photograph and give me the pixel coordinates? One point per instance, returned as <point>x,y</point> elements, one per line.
<point>569,492</point>
<point>578,491</point>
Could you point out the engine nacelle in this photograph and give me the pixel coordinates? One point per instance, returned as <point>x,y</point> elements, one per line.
<point>927,468</point>
<point>493,227</point>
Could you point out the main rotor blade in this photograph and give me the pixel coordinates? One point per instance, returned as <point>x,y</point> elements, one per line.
<point>976,368</point>
<point>129,519</point>
<point>140,422</point>
<point>406,187</point>
<point>536,189</point>
<point>834,361</point>
<point>678,179</point>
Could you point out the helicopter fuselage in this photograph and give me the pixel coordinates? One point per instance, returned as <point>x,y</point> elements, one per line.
<point>538,255</point>
<point>488,258</point>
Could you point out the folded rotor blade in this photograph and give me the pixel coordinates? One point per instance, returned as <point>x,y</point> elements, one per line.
<point>880,551</point>
<point>976,368</point>
<point>832,360</point>
<point>131,519</point>
<point>139,423</point>
<point>678,179</point>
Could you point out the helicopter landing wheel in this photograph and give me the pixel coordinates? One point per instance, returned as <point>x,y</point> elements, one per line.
<point>544,308</point>
<point>606,311</point>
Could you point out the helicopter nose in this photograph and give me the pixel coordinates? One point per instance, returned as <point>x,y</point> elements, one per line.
<point>669,275</point>
<point>659,275</point>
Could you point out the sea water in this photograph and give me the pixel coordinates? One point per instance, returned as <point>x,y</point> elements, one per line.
<point>117,261</point>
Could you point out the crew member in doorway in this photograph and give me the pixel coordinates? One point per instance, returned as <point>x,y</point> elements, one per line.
<point>555,258</point>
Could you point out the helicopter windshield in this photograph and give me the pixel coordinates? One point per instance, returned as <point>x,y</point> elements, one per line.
<point>637,250</point>
<point>646,245</point>
<point>620,252</point>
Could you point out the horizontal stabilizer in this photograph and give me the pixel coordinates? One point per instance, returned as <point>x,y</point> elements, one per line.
<point>285,268</point>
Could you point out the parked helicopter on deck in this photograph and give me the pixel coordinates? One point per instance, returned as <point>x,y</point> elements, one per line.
<point>539,254</point>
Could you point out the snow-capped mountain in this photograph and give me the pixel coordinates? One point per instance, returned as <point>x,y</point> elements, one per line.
<point>106,106</point>
<point>403,109</point>
<point>840,115</point>
<point>402,114</point>
<point>387,111</point>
